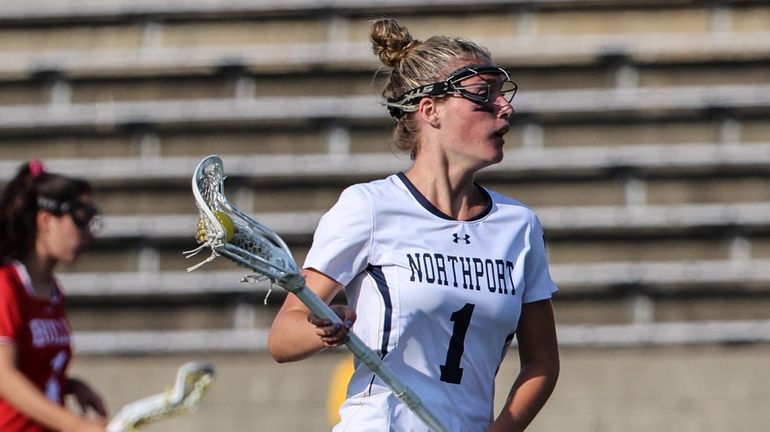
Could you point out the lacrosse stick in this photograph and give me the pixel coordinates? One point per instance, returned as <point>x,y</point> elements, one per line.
<point>229,232</point>
<point>192,381</point>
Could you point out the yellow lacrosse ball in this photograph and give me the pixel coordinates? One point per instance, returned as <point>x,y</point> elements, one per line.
<point>227,224</point>
<point>200,231</point>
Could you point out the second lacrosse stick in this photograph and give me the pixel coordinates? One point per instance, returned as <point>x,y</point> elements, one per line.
<point>229,232</point>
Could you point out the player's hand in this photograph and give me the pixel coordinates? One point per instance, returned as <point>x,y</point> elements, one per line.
<point>332,334</point>
<point>86,397</point>
<point>82,424</point>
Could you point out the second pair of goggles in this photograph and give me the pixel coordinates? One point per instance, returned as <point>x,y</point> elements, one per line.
<point>82,214</point>
<point>408,101</point>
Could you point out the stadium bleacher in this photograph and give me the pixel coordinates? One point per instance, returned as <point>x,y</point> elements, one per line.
<point>622,131</point>
<point>642,139</point>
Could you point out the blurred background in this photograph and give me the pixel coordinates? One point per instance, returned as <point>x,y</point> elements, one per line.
<point>641,138</point>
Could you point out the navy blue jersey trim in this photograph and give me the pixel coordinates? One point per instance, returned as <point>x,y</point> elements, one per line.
<point>436,212</point>
<point>509,338</point>
<point>382,286</point>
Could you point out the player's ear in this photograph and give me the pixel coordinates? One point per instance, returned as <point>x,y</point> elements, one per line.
<point>428,111</point>
<point>45,225</point>
<point>43,221</point>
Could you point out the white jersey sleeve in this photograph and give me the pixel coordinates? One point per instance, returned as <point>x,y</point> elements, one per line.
<point>345,234</point>
<point>538,284</point>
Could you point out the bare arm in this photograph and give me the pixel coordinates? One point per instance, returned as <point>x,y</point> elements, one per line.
<point>539,357</point>
<point>296,335</point>
<point>19,391</point>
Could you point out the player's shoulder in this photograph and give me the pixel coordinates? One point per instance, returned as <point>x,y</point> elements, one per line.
<point>509,208</point>
<point>7,270</point>
<point>8,276</point>
<point>508,203</point>
<point>374,189</point>
<point>360,198</point>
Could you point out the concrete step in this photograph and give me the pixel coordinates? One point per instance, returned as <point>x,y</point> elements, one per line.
<point>577,104</point>
<point>694,333</point>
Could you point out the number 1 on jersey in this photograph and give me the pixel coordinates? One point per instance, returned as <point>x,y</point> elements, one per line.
<point>451,371</point>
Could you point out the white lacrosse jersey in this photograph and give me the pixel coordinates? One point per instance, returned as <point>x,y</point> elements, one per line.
<point>438,299</point>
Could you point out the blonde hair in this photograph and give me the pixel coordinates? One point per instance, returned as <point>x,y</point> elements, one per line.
<point>412,63</point>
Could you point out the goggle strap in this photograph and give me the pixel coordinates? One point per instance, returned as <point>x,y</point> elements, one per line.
<point>469,71</point>
<point>404,104</point>
<point>67,207</point>
<point>49,204</point>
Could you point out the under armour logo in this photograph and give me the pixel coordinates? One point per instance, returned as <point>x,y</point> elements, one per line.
<point>466,238</point>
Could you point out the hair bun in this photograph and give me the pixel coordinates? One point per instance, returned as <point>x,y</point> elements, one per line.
<point>391,41</point>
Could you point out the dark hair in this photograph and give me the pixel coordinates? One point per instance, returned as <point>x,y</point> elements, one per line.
<point>412,63</point>
<point>19,206</point>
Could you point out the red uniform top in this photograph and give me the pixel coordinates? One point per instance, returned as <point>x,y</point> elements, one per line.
<point>39,330</point>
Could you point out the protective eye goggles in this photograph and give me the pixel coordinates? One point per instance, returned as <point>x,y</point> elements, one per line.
<point>478,92</point>
<point>84,215</point>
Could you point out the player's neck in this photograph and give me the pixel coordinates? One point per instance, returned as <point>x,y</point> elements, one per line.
<point>41,274</point>
<point>456,196</point>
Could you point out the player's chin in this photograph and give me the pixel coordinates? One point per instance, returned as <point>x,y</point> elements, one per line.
<point>71,257</point>
<point>498,139</point>
<point>489,160</point>
<point>496,151</point>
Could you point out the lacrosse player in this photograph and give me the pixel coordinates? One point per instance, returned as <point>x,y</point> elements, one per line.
<point>440,273</point>
<point>45,219</point>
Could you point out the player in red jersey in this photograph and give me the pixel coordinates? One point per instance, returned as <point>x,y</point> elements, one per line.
<point>45,219</point>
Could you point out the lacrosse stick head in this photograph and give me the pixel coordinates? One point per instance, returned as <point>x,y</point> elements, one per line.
<point>229,232</point>
<point>193,379</point>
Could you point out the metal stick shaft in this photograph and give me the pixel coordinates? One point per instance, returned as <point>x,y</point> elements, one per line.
<point>370,359</point>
